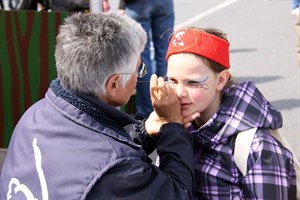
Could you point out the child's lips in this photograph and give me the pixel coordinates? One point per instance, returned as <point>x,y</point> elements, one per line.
<point>185,105</point>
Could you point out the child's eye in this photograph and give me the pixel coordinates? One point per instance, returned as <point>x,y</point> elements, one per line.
<point>194,83</point>
<point>198,83</point>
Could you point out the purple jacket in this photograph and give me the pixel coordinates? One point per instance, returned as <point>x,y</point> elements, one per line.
<point>270,170</point>
<point>69,146</point>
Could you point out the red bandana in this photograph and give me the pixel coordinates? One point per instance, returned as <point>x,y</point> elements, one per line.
<point>200,43</point>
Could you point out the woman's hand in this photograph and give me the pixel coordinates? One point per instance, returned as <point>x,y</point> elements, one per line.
<point>165,101</point>
<point>153,124</point>
<point>166,107</point>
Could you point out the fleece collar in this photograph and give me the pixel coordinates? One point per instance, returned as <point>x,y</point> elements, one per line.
<point>105,114</point>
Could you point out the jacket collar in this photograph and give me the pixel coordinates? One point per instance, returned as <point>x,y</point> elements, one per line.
<point>102,112</point>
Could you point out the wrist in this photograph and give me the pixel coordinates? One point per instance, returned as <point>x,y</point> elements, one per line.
<point>174,120</point>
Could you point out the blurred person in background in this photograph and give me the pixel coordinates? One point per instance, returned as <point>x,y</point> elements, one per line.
<point>56,5</point>
<point>157,19</point>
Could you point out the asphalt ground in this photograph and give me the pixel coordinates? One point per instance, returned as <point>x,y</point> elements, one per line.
<point>263,48</point>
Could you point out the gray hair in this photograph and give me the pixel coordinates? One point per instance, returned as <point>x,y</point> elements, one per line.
<point>92,47</point>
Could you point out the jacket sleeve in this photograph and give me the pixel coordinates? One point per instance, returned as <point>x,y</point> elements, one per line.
<point>140,136</point>
<point>137,179</point>
<point>271,173</point>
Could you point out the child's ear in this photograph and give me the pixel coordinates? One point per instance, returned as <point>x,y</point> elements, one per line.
<point>222,77</point>
<point>112,85</point>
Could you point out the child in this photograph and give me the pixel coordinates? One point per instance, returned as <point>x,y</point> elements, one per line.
<point>198,69</point>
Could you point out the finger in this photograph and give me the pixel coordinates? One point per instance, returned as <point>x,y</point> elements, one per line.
<point>191,118</point>
<point>153,87</point>
<point>153,81</point>
<point>196,115</point>
<point>187,125</point>
<point>162,90</point>
<point>170,90</point>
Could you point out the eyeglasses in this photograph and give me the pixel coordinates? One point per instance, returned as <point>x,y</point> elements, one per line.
<point>141,71</point>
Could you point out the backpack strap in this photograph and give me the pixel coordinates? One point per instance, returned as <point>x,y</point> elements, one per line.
<point>276,134</point>
<point>243,143</point>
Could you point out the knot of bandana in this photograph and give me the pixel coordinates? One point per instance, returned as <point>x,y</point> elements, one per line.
<point>200,43</point>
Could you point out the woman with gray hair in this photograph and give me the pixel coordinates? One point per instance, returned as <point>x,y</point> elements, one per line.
<point>76,144</point>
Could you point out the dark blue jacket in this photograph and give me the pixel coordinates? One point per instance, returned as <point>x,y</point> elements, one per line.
<point>70,146</point>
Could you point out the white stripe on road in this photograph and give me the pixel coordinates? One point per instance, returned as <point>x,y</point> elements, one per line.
<point>204,14</point>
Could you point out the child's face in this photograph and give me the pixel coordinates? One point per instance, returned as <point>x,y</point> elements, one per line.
<point>196,85</point>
